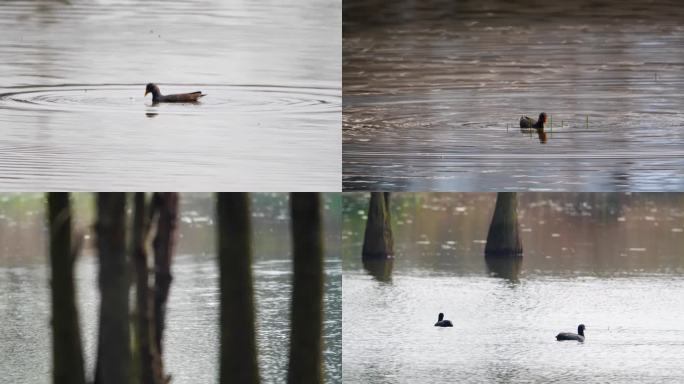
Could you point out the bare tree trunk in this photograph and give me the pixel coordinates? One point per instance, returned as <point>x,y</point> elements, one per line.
<point>67,355</point>
<point>238,361</point>
<point>166,204</point>
<point>377,241</point>
<point>503,238</point>
<point>151,369</point>
<point>114,352</point>
<point>306,345</point>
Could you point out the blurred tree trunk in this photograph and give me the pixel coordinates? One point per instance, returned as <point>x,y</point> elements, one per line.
<point>114,350</point>
<point>377,241</point>
<point>503,238</point>
<point>166,206</point>
<point>306,346</point>
<point>151,368</point>
<point>67,354</point>
<point>238,360</point>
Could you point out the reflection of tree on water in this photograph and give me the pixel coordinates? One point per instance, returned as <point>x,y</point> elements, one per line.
<point>504,267</point>
<point>380,269</point>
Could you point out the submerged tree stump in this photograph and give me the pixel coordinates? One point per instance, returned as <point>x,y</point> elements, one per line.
<point>503,238</point>
<point>67,355</point>
<point>378,242</point>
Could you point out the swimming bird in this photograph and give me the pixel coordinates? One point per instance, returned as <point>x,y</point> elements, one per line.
<point>157,97</point>
<point>528,123</point>
<point>441,322</point>
<point>579,336</point>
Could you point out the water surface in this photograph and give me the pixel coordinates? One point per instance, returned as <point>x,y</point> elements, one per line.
<point>612,262</point>
<point>73,116</point>
<point>433,95</point>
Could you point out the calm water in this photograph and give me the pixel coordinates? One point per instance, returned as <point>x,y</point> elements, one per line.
<point>73,116</point>
<point>611,262</point>
<point>433,95</point>
<point>191,338</point>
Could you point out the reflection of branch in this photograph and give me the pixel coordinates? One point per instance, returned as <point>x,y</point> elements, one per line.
<point>166,206</point>
<point>152,368</point>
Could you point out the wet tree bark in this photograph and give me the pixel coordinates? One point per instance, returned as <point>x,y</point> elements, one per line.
<point>503,238</point>
<point>151,368</point>
<point>114,352</point>
<point>238,360</point>
<point>377,241</point>
<point>306,344</point>
<point>67,355</point>
<point>166,206</point>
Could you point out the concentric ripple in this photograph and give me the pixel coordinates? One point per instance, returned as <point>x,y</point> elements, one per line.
<point>129,98</point>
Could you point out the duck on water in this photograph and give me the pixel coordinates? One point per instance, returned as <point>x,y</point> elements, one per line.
<point>527,123</point>
<point>441,322</point>
<point>579,336</point>
<point>157,96</point>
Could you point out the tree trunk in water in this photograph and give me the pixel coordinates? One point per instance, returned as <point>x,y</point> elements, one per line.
<point>306,353</point>
<point>166,204</point>
<point>238,361</point>
<point>67,354</point>
<point>114,353</point>
<point>151,369</point>
<point>504,232</point>
<point>377,241</point>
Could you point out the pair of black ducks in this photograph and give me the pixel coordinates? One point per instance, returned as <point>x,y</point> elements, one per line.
<point>157,96</point>
<point>579,336</point>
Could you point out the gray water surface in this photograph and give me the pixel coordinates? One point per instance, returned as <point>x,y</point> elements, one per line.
<point>73,116</point>
<point>433,95</point>
<point>612,262</point>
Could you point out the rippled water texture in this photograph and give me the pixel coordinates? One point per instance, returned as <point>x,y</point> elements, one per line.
<point>73,116</point>
<point>191,340</point>
<point>612,262</point>
<point>433,94</point>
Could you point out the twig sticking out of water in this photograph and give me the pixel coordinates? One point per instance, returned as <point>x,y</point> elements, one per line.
<point>587,122</point>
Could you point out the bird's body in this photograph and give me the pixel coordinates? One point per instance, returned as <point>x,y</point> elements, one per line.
<point>579,336</point>
<point>441,322</point>
<point>529,123</point>
<point>157,96</point>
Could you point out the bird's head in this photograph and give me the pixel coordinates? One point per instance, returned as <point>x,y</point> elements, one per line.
<point>151,88</point>
<point>542,117</point>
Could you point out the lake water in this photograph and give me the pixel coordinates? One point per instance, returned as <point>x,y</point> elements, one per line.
<point>191,340</point>
<point>612,262</point>
<point>73,116</point>
<point>433,95</point>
